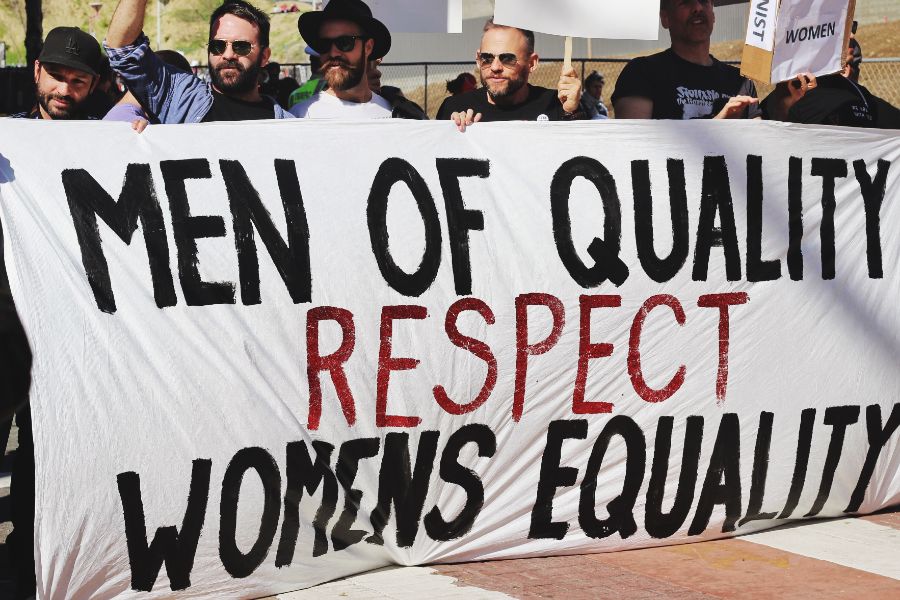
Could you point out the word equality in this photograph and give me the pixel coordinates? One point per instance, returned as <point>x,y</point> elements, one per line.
<point>716,225</point>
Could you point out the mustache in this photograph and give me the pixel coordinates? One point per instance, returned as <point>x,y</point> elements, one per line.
<point>230,64</point>
<point>331,62</point>
<point>64,97</point>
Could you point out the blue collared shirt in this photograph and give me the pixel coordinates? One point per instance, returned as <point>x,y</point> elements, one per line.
<point>173,95</point>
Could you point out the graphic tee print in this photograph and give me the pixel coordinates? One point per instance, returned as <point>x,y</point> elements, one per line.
<point>683,90</point>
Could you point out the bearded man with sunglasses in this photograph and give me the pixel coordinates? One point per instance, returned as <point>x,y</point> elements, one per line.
<point>238,51</point>
<point>505,60</point>
<point>349,41</point>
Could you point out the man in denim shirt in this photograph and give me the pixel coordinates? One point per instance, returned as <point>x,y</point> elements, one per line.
<point>238,50</point>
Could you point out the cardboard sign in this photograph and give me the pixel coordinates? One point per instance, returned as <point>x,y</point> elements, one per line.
<point>801,36</point>
<point>761,26</point>
<point>259,370</point>
<point>636,20</point>
<point>416,16</point>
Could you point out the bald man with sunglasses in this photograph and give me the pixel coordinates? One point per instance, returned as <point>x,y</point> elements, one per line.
<point>238,50</point>
<point>505,61</point>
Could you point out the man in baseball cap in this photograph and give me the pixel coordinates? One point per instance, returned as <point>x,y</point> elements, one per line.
<point>348,39</point>
<point>65,74</point>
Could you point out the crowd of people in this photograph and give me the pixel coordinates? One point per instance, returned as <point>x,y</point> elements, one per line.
<point>128,81</point>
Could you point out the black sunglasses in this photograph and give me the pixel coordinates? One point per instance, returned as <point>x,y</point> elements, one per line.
<point>239,47</point>
<point>507,59</point>
<point>344,43</point>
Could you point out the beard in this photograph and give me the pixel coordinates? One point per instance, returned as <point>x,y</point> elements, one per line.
<point>73,111</point>
<point>506,89</point>
<point>241,81</point>
<point>343,76</point>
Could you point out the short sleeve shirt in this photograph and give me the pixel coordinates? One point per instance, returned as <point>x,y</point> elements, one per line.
<point>681,89</point>
<point>835,101</point>
<point>542,104</point>
<point>326,106</point>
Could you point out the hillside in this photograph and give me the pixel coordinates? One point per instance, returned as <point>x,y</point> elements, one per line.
<point>184,26</point>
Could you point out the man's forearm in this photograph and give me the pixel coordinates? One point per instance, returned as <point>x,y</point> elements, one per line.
<point>127,23</point>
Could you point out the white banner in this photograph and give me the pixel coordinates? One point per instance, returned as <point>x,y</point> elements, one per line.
<point>810,38</point>
<point>635,20</point>
<point>416,16</point>
<point>332,347</point>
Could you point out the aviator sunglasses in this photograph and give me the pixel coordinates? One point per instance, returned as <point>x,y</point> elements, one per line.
<point>239,47</point>
<point>344,43</point>
<point>507,59</point>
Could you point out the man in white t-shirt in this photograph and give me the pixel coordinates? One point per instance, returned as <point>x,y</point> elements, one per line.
<point>347,38</point>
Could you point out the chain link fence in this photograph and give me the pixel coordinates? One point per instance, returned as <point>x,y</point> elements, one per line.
<point>426,83</point>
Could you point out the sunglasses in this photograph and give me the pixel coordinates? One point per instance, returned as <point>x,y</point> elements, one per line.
<point>239,47</point>
<point>344,43</point>
<point>507,59</point>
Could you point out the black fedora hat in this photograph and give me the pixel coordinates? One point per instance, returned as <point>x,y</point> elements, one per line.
<point>355,11</point>
<point>73,48</point>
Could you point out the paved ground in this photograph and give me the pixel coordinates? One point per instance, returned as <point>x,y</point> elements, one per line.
<point>839,558</point>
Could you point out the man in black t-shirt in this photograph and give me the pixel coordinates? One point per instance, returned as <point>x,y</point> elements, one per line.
<point>506,59</point>
<point>836,99</point>
<point>826,100</point>
<point>685,81</point>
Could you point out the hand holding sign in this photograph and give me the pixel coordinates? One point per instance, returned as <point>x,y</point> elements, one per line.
<point>569,88</point>
<point>464,119</point>
<point>799,36</point>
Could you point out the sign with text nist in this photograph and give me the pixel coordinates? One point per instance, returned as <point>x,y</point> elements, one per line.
<point>761,27</point>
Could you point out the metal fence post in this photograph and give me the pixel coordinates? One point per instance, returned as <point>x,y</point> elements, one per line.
<point>426,88</point>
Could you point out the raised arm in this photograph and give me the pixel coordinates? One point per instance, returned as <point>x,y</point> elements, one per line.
<point>127,23</point>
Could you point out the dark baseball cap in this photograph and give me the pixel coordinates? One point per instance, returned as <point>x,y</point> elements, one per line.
<point>73,48</point>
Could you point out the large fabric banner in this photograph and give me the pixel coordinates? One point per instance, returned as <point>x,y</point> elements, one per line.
<point>268,355</point>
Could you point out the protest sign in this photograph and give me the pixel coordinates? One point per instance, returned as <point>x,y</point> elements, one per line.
<point>636,20</point>
<point>258,368</point>
<point>415,16</point>
<point>802,36</point>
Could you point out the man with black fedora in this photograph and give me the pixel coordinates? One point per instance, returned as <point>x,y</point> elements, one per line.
<point>65,74</point>
<point>348,39</point>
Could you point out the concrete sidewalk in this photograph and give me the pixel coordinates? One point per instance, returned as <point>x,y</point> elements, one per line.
<point>830,559</point>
